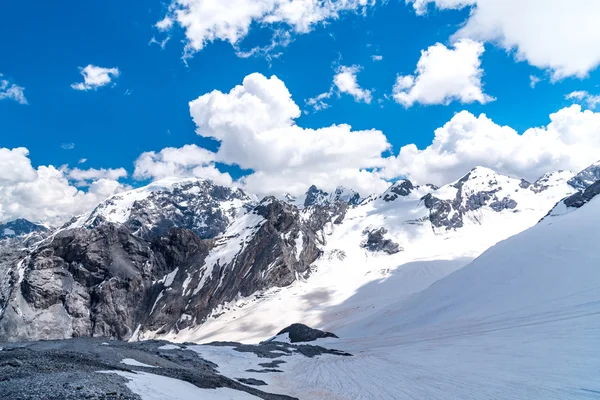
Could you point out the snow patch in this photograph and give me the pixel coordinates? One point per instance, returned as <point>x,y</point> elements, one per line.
<point>135,363</point>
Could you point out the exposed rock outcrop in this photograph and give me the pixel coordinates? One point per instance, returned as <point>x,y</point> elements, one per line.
<point>376,241</point>
<point>302,333</point>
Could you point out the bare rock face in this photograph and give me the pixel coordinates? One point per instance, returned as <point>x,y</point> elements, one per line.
<point>108,281</point>
<point>581,198</point>
<point>376,241</point>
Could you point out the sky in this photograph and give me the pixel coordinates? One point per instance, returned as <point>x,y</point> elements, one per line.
<point>276,95</point>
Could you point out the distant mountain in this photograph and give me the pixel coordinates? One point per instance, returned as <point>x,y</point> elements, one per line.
<point>587,177</point>
<point>199,205</point>
<point>19,227</point>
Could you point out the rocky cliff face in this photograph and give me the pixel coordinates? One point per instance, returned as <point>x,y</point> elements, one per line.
<point>111,280</point>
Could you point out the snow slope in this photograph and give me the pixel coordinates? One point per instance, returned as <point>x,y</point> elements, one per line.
<point>522,321</point>
<point>327,298</point>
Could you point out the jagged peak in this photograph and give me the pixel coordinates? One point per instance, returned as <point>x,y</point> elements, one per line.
<point>586,177</point>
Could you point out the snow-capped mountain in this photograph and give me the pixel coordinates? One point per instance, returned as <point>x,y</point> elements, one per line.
<point>586,177</point>
<point>317,197</point>
<point>19,227</point>
<point>183,259</point>
<point>195,204</point>
<point>519,322</point>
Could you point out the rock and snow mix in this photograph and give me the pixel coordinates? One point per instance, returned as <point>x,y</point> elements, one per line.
<point>483,288</point>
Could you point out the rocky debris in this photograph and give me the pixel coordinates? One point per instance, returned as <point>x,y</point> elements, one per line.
<point>69,370</point>
<point>275,350</point>
<point>20,227</point>
<point>302,333</point>
<point>581,198</point>
<point>586,178</point>
<point>376,241</point>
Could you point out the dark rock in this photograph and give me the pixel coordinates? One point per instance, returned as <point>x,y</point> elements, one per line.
<point>303,333</point>
<point>586,178</point>
<point>314,196</point>
<point>252,381</point>
<point>581,198</point>
<point>376,241</point>
<point>399,189</point>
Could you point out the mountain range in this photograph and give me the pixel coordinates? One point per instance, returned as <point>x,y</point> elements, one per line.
<point>418,269</point>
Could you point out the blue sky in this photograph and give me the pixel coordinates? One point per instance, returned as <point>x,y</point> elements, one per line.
<point>146,107</point>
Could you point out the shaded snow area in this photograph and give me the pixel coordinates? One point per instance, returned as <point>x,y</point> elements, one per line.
<point>521,321</point>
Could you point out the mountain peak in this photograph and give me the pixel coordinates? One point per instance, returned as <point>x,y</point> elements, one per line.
<point>20,227</point>
<point>587,177</point>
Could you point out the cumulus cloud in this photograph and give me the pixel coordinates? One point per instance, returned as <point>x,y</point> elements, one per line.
<point>95,77</point>
<point>44,193</point>
<point>206,21</point>
<point>444,75</point>
<point>376,57</point>
<point>346,82</point>
<point>570,141</point>
<point>11,91</point>
<point>581,96</point>
<point>186,161</point>
<point>557,35</point>
<point>255,126</point>
<point>93,174</point>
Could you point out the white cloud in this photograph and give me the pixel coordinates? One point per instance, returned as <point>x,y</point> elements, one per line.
<point>444,75</point>
<point>255,125</point>
<point>186,161</point>
<point>206,21</point>
<point>10,91</point>
<point>533,81</point>
<point>162,43</point>
<point>67,146</point>
<point>95,77</point>
<point>376,57</point>
<point>570,141</point>
<point>558,35</point>
<point>92,174</point>
<point>44,193</point>
<point>319,102</point>
<point>346,82</point>
<point>82,161</point>
<point>582,96</point>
